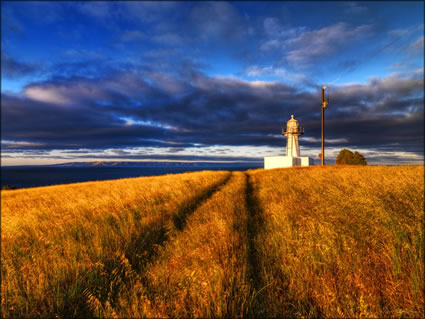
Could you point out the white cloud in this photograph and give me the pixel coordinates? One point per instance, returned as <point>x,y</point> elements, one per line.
<point>327,140</point>
<point>312,45</point>
<point>354,8</point>
<point>280,73</point>
<point>406,32</point>
<point>261,84</point>
<point>270,45</point>
<point>47,95</point>
<point>300,46</point>
<point>258,71</point>
<point>17,144</point>
<point>275,30</point>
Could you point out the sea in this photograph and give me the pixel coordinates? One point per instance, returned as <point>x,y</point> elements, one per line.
<point>35,176</point>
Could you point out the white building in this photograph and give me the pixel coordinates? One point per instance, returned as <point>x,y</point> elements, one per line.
<point>292,158</point>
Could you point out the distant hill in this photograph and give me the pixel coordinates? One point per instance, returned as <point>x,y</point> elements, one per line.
<point>154,164</point>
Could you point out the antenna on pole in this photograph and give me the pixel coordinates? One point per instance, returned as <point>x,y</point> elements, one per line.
<point>324,104</point>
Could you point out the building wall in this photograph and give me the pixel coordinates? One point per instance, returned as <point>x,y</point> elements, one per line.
<point>271,162</point>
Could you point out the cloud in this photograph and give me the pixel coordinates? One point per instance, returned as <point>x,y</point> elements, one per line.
<point>272,27</point>
<point>189,108</point>
<point>120,152</point>
<point>255,70</point>
<point>405,32</point>
<point>275,30</point>
<point>417,47</point>
<point>270,45</point>
<point>400,65</point>
<point>46,95</point>
<point>279,73</point>
<point>311,46</point>
<point>300,47</point>
<point>12,68</point>
<point>117,86</point>
<point>338,141</point>
<point>5,144</point>
<point>355,8</point>
<point>83,54</point>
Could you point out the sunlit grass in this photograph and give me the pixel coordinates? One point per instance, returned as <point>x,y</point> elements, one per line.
<point>61,241</point>
<point>303,242</point>
<point>341,242</point>
<point>203,272</point>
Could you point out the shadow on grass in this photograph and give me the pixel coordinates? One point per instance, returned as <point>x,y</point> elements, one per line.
<point>98,290</point>
<point>139,252</point>
<point>143,248</point>
<point>255,223</point>
<point>271,295</point>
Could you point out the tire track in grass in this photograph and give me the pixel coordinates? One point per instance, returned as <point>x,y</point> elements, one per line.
<point>202,271</point>
<point>128,279</point>
<point>179,219</point>
<point>273,296</point>
<point>143,244</point>
<point>74,237</point>
<point>255,223</point>
<point>179,225</point>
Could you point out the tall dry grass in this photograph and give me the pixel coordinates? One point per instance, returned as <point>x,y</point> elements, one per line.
<point>301,242</point>
<point>341,241</point>
<point>66,249</point>
<point>204,270</point>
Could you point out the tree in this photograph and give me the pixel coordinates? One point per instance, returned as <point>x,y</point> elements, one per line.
<point>346,157</point>
<point>359,159</point>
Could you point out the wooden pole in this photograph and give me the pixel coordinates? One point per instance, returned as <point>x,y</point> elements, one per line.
<point>324,103</point>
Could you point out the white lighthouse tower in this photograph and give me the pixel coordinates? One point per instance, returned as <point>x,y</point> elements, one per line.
<point>292,132</point>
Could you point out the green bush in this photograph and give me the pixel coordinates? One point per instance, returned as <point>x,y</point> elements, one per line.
<point>346,157</point>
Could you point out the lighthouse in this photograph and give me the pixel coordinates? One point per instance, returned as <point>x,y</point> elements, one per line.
<point>292,131</point>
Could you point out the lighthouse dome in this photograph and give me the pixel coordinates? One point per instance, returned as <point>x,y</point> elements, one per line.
<point>292,123</point>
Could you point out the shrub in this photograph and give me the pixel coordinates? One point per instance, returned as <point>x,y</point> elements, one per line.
<point>347,157</point>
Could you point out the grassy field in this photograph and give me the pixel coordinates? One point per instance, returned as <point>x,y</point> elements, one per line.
<point>301,242</point>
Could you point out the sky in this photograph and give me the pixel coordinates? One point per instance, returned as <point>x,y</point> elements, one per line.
<point>210,81</point>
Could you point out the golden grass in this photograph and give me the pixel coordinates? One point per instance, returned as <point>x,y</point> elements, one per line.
<point>203,272</point>
<point>303,242</point>
<point>341,241</point>
<point>61,241</point>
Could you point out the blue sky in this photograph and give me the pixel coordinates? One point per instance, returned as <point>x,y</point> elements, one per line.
<point>212,81</point>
